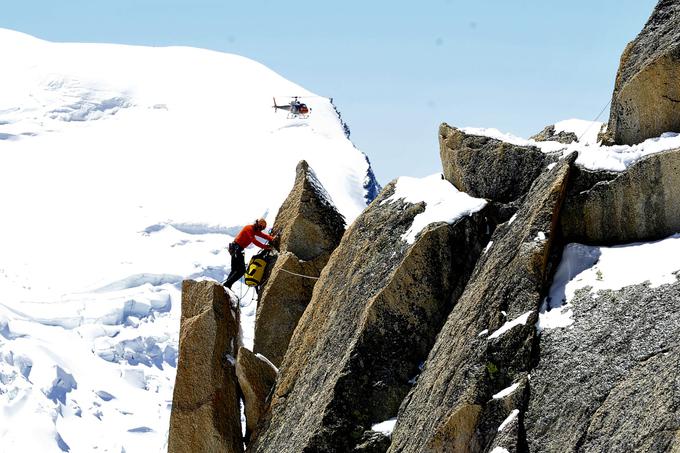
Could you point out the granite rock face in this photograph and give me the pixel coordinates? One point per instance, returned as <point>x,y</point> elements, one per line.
<point>610,381</point>
<point>488,168</point>
<point>642,203</point>
<point>372,442</point>
<point>548,134</point>
<point>373,317</point>
<point>205,414</point>
<point>310,228</point>
<point>256,377</point>
<point>510,434</point>
<point>488,342</point>
<point>308,223</point>
<point>646,98</point>
<point>283,299</point>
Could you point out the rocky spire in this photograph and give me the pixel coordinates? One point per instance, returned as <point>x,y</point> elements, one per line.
<point>310,228</point>
<point>646,98</point>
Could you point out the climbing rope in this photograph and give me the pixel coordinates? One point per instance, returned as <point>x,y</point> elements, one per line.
<point>596,118</point>
<point>252,298</point>
<point>300,275</point>
<point>243,296</point>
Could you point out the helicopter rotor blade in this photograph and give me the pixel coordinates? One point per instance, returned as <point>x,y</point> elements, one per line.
<point>305,97</point>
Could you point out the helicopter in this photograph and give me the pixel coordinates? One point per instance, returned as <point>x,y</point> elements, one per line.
<point>296,109</point>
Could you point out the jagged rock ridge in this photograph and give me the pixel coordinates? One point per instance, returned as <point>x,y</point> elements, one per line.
<point>451,407</point>
<point>492,381</point>
<point>489,168</point>
<point>310,228</point>
<point>373,317</point>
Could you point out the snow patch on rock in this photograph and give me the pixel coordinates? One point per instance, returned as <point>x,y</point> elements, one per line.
<point>591,155</point>
<point>443,202</point>
<point>510,324</point>
<point>385,427</point>
<point>509,419</point>
<point>586,131</point>
<point>607,268</point>
<point>507,391</point>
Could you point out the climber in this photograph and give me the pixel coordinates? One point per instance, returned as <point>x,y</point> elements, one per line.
<point>245,237</point>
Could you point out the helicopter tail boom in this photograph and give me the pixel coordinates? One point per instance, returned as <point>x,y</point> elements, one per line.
<point>277,106</point>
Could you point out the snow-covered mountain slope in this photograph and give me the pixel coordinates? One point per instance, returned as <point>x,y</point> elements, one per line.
<point>124,170</point>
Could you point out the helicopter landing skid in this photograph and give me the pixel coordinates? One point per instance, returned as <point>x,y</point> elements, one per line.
<point>292,116</point>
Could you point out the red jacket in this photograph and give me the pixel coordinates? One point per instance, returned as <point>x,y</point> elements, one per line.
<point>247,237</point>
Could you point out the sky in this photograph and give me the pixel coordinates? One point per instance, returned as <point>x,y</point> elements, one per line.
<point>396,69</point>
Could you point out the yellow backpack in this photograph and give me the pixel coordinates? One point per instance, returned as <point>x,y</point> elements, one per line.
<point>255,271</point>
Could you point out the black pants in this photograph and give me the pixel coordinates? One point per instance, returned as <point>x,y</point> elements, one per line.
<point>238,267</point>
